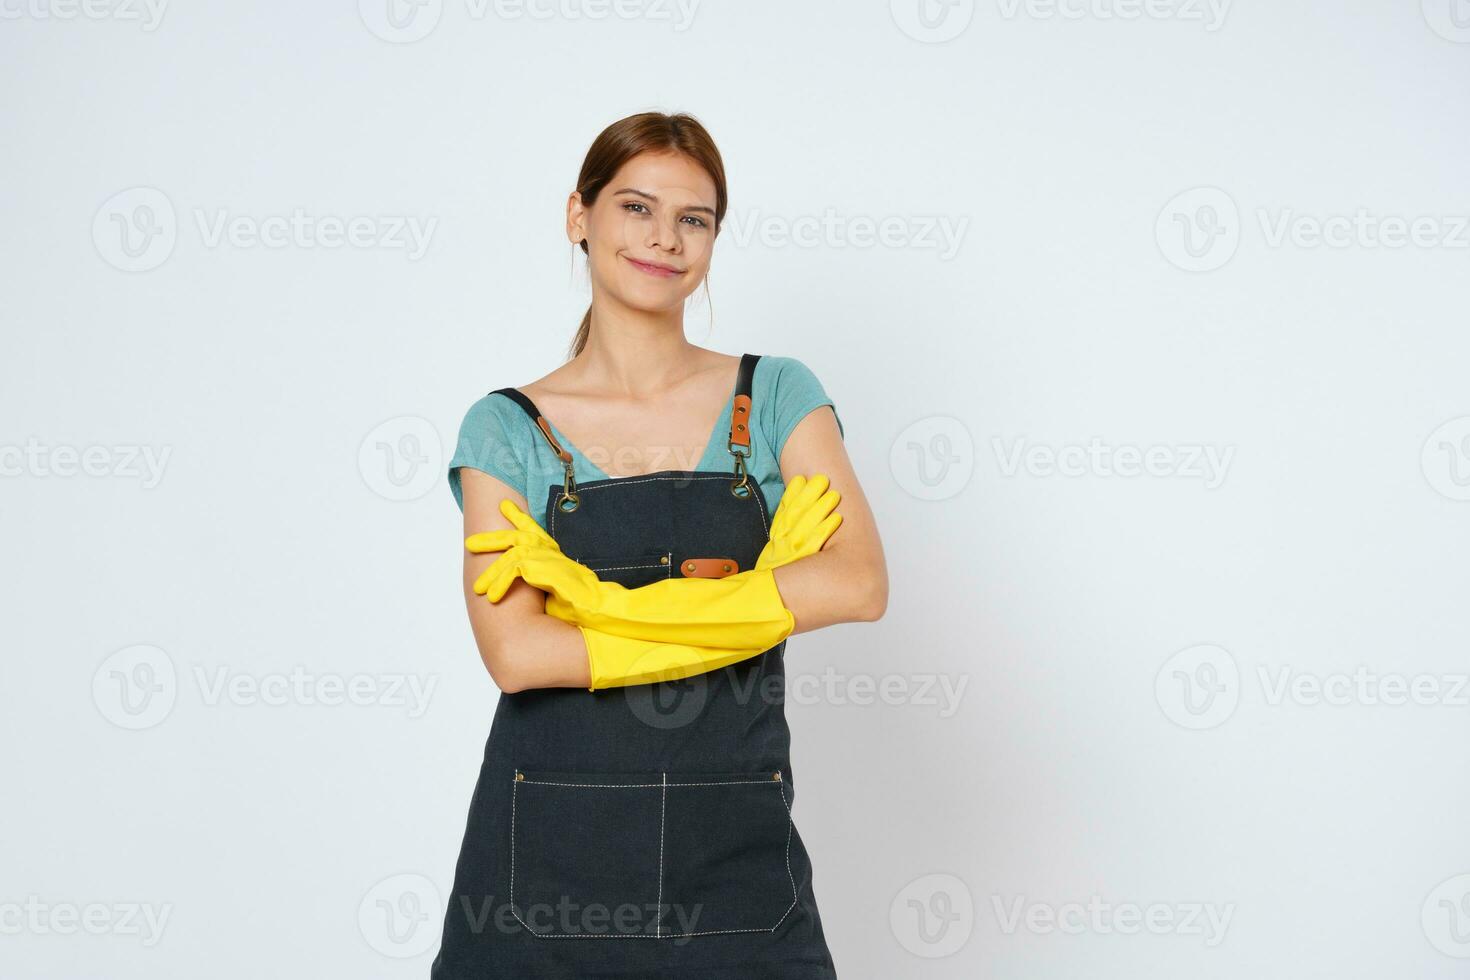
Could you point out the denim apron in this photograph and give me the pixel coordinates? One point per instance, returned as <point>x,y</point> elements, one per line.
<point>642,831</point>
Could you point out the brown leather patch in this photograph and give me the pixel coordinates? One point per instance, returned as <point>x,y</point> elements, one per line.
<point>708,567</point>
<point>740,421</point>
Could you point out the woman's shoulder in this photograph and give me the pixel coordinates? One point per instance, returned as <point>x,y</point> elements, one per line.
<point>787,378</point>
<point>779,367</point>
<point>495,427</point>
<point>785,390</point>
<point>490,410</point>
<point>492,439</point>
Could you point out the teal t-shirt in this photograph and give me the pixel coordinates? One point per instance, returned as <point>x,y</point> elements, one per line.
<point>497,437</point>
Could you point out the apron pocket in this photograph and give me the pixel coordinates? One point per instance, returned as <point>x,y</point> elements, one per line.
<point>584,853</point>
<point>727,853</point>
<point>650,855</point>
<point>631,570</point>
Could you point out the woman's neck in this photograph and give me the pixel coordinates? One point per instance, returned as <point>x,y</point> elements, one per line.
<point>631,352</point>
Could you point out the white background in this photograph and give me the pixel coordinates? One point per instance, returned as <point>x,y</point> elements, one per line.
<point>1113,645</point>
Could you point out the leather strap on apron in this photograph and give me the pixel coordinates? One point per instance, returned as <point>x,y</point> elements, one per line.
<point>740,416</point>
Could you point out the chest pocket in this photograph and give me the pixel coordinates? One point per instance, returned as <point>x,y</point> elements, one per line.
<point>630,571</point>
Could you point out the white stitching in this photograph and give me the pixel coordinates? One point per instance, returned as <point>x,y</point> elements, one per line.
<point>663,807</point>
<point>658,926</point>
<point>513,845</point>
<point>790,824</point>
<point>666,561</point>
<point>760,500</point>
<point>624,568</point>
<point>726,782</point>
<point>636,935</point>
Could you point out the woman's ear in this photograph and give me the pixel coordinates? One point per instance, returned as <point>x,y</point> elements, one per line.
<point>576,218</point>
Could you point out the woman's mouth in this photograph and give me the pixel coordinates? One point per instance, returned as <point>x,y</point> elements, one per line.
<point>656,269</point>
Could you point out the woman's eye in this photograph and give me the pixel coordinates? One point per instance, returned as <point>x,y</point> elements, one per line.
<point>699,222</point>
<point>634,204</point>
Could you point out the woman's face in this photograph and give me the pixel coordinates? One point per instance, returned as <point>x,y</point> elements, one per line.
<point>651,232</point>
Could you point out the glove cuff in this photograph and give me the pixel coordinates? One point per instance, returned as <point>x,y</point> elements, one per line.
<point>587,641</point>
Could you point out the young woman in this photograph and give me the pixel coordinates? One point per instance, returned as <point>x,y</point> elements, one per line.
<point>633,569</point>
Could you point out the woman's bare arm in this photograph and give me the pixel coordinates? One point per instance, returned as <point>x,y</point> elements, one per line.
<point>847,581</point>
<point>522,647</point>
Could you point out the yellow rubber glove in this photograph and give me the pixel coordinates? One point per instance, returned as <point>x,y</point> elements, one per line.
<point>738,611</point>
<point>805,518</point>
<point>803,522</point>
<point>525,530</point>
<point>620,661</point>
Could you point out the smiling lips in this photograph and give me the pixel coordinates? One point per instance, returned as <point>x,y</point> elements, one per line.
<point>656,269</point>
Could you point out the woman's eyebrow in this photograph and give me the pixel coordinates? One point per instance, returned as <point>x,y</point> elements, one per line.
<point>654,199</point>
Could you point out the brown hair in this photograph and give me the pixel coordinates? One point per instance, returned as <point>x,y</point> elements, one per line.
<point>646,132</point>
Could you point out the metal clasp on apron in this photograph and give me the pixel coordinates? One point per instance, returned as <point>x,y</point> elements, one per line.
<point>740,486</point>
<point>568,488</point>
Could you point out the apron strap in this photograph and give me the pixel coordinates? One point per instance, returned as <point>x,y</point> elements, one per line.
<point>569,500</point>
<point>740,416</point>
<point>515,395</point>
<point>740,412</point>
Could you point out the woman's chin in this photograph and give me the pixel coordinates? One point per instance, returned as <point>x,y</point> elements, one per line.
<point>654,298</point>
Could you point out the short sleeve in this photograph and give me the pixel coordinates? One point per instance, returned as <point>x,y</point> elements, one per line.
<point>490,441</point>
<point>791,394</point>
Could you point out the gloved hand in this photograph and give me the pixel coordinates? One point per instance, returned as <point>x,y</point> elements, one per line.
<point>802,523</point>
<point>525,530</point>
